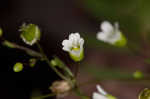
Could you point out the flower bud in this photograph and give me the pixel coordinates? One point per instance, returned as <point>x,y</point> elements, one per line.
<point>60,87</point>
<point>32,62</point>
<point>18,67</point>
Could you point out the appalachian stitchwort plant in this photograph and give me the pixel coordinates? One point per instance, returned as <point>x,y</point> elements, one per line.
<point>74,47</point>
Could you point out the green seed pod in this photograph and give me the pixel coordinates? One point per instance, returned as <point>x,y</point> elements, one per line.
<point>18,67</point>
<point>30,33</point>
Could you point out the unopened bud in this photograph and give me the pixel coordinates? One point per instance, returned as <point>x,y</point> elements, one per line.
<point>18,67</point>
<point>60,87</point>
<point>32,62</point>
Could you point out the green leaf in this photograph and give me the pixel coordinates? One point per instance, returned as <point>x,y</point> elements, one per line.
<point>18,67</point>
<point>30,33</point>
<point>145,94</point>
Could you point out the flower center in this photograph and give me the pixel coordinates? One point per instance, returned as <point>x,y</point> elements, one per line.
<point>75,48</point>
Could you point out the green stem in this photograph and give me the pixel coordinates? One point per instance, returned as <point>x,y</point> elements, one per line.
<point>27,50</point>
<point>80,94</point>
<point>77,69</point>
<point>52,67</point>
<point>45,96</point>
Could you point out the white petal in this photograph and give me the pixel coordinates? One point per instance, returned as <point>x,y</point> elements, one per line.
<point>66,49</point>
<point>81,42</point>
<point>72,37</point>
<point>102,36</point>
<point>101,90</point>
<point>65,42</point>
<point>116,25</point>
<point>77,35</point>
<point>107,27</point>
<point>114,37</point>
<point>98,96</point>
<point>66,45</point>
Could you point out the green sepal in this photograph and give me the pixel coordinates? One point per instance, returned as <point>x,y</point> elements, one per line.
<point>110,96</point>
<point>77,58</point>
<point>122,42</point>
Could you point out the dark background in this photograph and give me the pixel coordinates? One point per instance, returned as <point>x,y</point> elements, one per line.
<point>58,18</point>
<point>55,18</point>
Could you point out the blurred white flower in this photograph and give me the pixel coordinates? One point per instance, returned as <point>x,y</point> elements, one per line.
<point>74,45</point>
<point>101,94</point>
<point>111,34</point>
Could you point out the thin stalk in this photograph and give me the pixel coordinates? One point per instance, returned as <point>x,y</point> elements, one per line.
<point>52,67</point>
<point>77,69</point>
<point>27,50</point>
<point>80,94</point>
<point>44,96</point>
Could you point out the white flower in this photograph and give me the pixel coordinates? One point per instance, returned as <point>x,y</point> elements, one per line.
<point>74,45</point>
<point>110,34</point>
<point>101,94</point>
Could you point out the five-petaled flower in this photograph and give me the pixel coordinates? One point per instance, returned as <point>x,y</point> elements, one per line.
<point>74,45</point>
<point>111,34</point>
<point>101,94</point>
